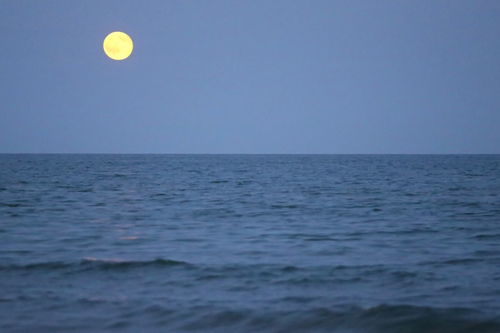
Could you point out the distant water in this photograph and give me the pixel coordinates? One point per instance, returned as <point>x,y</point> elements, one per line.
<point>258,243</point>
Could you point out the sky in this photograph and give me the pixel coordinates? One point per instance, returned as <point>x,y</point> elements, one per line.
<point>259,76</point>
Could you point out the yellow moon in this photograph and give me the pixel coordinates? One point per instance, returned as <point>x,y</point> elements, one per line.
<point>118,45</point>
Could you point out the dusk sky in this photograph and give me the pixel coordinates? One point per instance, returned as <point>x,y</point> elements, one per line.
<point>251,77</point>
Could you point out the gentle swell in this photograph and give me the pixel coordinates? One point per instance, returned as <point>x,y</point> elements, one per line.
<point>94,263</point>
<point>377,319</point>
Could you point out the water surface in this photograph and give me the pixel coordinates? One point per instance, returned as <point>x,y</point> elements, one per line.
<point>246,243</point>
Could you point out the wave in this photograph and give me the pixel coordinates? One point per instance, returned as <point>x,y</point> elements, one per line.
<point>10,204</point>
<point>487,236</point>
<point>90,263</point>
<point>381,318</point>
<point>490,259</point>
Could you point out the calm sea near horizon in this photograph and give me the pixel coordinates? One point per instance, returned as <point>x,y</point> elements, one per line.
<point>249,243</point>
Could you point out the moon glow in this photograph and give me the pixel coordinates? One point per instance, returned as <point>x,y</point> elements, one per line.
<point>118,45</point>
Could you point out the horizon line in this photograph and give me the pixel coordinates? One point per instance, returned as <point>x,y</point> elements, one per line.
<point>115,153</point>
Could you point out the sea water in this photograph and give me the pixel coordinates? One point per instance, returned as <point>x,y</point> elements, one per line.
<point>250,243</point>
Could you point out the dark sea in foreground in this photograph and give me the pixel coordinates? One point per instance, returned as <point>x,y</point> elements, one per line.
<point>250,243</point>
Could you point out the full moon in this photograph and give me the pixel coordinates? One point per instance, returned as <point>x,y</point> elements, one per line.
<point>118,45</point>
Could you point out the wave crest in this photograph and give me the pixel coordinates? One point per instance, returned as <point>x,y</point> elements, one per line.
<point>90,263</point>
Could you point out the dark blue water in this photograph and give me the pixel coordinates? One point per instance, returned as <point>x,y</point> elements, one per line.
<point>259,243</point>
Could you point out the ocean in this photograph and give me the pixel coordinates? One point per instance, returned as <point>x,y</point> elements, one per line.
<point>249,243</point>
